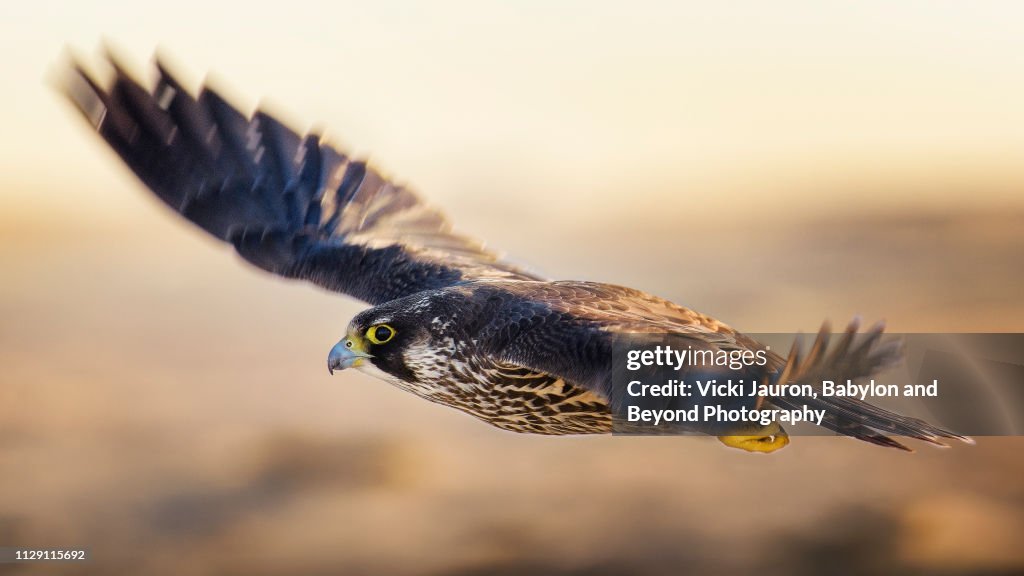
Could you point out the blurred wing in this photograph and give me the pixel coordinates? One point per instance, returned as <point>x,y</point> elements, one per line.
<point>290,204</point>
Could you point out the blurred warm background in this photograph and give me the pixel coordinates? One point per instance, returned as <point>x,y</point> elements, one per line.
<point>772,164</point>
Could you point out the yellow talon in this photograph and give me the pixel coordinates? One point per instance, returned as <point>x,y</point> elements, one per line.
<point>773,439</point>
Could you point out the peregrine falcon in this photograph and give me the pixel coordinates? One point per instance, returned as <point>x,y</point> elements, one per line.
<point>451,321</point>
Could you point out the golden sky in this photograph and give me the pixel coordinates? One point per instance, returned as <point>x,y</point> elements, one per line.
<point>581,105</point>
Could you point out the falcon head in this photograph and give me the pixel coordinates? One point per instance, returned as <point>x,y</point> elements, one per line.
<point>402,339</point>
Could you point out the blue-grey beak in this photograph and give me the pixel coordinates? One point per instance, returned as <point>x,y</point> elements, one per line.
<point>346,354</point>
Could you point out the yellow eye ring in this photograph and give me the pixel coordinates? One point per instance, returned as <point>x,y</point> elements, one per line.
<point>380,333</point>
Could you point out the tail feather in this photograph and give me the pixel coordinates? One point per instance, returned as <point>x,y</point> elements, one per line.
<point>853,359</point>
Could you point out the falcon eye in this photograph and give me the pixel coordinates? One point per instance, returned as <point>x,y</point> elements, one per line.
<point>380,333</point>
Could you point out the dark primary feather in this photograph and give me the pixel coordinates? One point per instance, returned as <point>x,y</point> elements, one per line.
<point>855,358</point>
<point>290,204</point>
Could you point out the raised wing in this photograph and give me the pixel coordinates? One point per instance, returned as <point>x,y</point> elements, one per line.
<point>290,204</point>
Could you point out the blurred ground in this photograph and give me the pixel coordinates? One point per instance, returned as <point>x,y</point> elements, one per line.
<point>168,406</point>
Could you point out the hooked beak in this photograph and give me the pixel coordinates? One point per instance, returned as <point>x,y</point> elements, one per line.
<point>346,354</point>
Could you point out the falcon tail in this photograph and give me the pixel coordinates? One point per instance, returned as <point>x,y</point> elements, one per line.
<point>850,416</point>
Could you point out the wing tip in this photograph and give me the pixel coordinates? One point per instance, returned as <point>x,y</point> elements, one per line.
<point>76,82</point>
